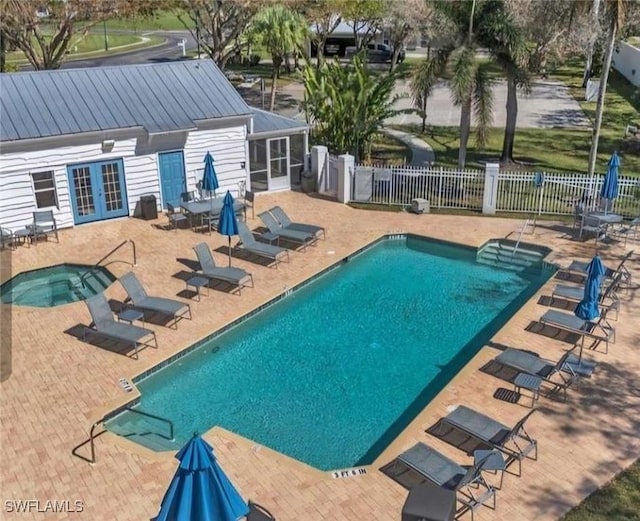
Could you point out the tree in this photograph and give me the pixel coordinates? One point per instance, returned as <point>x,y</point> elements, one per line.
<point>420,86</point>
<point>593,36</point>
<point>45,30</point>
<point>324,17</point>
<point>218,24</point>
<point>554,29</point>
<point>615,12</point>
<point>347,105</point>
<point>365,18</point>
<point>507,46</point>
<point>402,19</point>
<point>282,32</point>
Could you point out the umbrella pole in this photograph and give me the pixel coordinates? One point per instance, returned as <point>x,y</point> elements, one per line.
<point>229,250</point>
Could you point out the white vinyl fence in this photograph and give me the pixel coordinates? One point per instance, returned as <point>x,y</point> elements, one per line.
<point>517,191</point>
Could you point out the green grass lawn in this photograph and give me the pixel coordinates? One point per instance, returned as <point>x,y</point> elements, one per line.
<point>93,42</point>
<point>617,501</point>
<point>162,21</point>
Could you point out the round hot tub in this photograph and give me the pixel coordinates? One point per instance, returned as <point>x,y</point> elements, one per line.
<point>55,285</point>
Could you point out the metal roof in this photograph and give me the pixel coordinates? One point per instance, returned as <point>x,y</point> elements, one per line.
<point>264,121</point>
<point>159,97</point>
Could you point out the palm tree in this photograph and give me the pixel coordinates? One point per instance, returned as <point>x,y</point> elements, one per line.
<point>474,25</point>
<point>282,32</point>
<point>420,87</point>
<point>615,12</point>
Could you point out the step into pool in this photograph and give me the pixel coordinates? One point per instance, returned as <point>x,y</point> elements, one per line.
<point>334,371</point>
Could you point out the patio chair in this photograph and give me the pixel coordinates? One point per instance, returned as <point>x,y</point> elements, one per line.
<point>592,225</point>
<point>508,440</point>
<point>285,222</point>
<point>626,230</point>
<point>303,238</point>
<point>608,298</point>
<point>6,238</point>
<point>552,373</point>
<point>472,489</point>
<point>249,202</point>
<point>249,243</point>
<point>44,224</point>
<point>599,330</point>
<point>105,325</point>
<point>175,216</point>
<point>208,267</point>
<point>141,300</point>
<point>259,513</point>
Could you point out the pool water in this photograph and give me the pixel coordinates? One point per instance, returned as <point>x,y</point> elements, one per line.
<point>332,373</point>
<point>55,285</point>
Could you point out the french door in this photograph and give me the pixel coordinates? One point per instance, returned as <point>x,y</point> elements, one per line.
<point>97,191</point>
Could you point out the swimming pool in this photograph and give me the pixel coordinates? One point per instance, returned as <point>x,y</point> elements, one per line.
<point>332,373</point>
<point>55,285</point>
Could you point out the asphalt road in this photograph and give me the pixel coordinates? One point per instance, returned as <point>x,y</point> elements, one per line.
<point>168,51</point>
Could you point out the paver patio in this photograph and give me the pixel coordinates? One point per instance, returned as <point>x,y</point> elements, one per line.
<point>58,386</point>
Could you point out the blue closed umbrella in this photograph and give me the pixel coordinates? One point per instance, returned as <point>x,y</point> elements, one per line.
<point>209,177</point>
<point>588,309</point>
<point>610,185</point>
<point>200,490</point>
<point>228,223</point>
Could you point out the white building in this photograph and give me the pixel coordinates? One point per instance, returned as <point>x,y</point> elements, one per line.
<point>88,143</point>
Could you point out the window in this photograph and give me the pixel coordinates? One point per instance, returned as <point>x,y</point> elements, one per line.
<point>44,187</point>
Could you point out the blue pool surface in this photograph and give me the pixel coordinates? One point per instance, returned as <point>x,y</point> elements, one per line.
<point>332,373</point>
<point>55,285</point>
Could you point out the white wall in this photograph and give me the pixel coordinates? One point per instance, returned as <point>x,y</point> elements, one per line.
<point>626,60</point>
<point>17,198</point>
<point>227,146</point>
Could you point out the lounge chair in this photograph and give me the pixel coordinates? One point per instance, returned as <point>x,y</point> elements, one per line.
<point>249,243</point>
<point>580,267</point>
<point>141,300</point>
<point>608,298</point>
<point>559,375</point>
<point>508,440</point>
<point>236,276</point>
<point>304,238</point>
<point>472,490</point>
<point>285,222</point>
<point>259,513</point>
<point>105,325</point>
<point>599,330</point>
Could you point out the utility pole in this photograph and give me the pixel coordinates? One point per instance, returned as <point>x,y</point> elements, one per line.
<point>106,38</point>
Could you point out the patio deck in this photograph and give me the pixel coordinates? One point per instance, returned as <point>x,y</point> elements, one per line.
<point>58,385</point>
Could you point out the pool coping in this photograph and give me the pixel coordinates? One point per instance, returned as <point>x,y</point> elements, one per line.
<point>119,406</point>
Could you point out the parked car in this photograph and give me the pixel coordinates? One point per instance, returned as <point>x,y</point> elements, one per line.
<point>381,52</point>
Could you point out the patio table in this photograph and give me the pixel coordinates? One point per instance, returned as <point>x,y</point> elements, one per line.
<point>211,207</point>
<point>607,219</point>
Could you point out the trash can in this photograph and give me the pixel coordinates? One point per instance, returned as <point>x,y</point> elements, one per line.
<point>148,207</point>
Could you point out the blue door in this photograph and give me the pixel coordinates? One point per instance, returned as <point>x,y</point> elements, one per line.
<point>97,191</point>
<point>172,178</point>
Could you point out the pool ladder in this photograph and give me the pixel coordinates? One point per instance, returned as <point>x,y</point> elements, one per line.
<point>93,435</point>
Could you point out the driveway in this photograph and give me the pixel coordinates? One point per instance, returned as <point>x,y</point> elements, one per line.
<point>548,105</point>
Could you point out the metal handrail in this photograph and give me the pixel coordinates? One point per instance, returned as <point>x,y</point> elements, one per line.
<point>92,435</point>
<point>97,264</point>
<point>515,249</point>
<point>155,417</point>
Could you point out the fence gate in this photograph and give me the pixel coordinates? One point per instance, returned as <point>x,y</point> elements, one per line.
<point>328,181</point>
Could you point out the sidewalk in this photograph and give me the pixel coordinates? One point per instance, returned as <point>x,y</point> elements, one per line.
<point>421,152</point>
